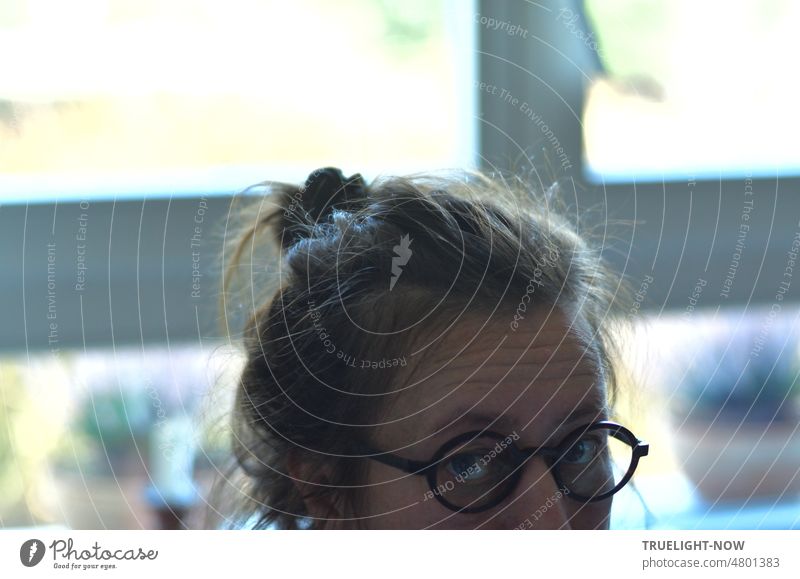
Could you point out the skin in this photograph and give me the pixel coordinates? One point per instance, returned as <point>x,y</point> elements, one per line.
<point>540,383</point>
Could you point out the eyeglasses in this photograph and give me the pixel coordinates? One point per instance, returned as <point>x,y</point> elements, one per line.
<point>477,470</point>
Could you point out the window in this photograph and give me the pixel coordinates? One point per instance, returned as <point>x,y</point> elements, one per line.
<point>697,89</point>
<point>105,438</point>
<point>131,97</point>
<point>718,393</point>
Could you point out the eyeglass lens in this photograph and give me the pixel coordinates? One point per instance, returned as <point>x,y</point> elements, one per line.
<point>480,471</point>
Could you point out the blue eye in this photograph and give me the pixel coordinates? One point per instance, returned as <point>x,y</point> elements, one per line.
<point>582,452</point>
<point>466,467</point>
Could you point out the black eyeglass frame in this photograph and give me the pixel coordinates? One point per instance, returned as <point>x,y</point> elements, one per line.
<point>519,456</point>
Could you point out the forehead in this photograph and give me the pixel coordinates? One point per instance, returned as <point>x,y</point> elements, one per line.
<point>528,378</point>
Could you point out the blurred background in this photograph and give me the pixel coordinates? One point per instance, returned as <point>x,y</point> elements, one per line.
<point>128,126</point>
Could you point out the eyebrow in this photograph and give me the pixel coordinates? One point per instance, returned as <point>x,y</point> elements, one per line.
<point>592,410</point>
<point>504,424</point>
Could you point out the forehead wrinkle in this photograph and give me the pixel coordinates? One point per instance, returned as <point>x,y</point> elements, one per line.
<point>531,346</point>
<point>507,410</point>
<point>404,396</point>
<point>508,419</point>
<point>550,324</point>
<point>543,347</point>
<point>589,389</point>
<point>593,405</point>
<point>544,376</point>
<point>596,396</point>
<point>551,372</point>
<point>476,327</point>
<point>573,383</point>
<point>512,364</point>
<point>539,354</point>
<point>542,356</point>
<point>521,362</point>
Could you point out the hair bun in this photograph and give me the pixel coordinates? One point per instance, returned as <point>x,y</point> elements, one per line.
<point>325,189</point>
<point>328,188</point>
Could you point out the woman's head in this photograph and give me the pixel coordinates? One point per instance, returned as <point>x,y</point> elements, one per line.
<point>410,312</point>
